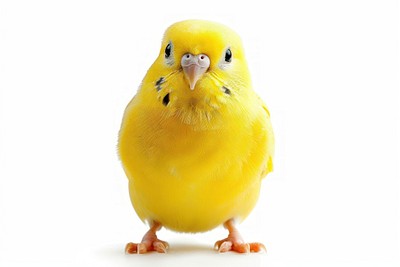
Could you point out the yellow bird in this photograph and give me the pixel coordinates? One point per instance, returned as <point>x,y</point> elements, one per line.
<point>196,140</point>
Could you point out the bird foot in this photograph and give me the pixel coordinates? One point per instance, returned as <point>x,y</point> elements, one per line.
<point>144,247</point>
<point>234,242</point>
<point>150,242</point>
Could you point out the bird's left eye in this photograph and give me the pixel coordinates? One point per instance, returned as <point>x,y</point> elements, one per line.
<point>228,55</point>
<point>168,49</point>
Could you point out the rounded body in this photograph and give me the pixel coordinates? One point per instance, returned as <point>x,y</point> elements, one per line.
<point>192,179</point>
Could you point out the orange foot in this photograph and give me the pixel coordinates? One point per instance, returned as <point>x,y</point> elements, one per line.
<point>150,242</point>
<point>234,242</point>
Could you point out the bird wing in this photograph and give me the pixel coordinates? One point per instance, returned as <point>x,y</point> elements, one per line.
<point>268,167</point>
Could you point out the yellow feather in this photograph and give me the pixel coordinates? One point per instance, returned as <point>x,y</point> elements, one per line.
<point>196,158</point>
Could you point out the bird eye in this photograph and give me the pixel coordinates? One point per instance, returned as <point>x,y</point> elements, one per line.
<point>228,55</point>
<point>168,49</point>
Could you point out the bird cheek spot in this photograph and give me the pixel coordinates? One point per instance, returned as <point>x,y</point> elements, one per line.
<point>226,90</point>
<point>165,100</point>
<point>159,82</point>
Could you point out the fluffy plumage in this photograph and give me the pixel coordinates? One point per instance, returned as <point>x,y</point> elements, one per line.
<point>195,143</point>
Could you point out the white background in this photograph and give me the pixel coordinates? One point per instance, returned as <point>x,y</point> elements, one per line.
<point>328,70</point>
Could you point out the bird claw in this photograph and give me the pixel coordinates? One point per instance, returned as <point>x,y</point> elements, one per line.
<point>160,246</point>
<point>223,245</point>
<point>257,247</point>
<point>131,248</point>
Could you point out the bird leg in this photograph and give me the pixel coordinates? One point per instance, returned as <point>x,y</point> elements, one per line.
<point>235,242</point>
<point>150,242</point>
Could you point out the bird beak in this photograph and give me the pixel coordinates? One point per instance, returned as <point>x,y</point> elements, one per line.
<point>194,67</point>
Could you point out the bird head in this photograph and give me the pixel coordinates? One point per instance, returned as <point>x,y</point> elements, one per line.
<point>201,66</point>
<point>200,48</point>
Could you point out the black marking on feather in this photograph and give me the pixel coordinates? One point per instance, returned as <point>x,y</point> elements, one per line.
<point>159,82</point>
<point>226,90</point>
<point>165,100</point>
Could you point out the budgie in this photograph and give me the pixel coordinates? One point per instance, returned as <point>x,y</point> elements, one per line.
<point>196,140</point>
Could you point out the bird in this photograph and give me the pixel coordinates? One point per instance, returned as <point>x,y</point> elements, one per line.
<point>196,140</point>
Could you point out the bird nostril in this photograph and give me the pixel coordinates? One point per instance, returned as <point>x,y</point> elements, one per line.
<point>199,59</point>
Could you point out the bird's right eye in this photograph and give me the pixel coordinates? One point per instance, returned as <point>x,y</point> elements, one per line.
<point>168,49</point>
<point>228,55</point>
